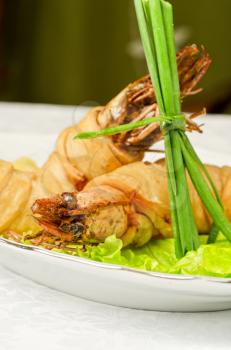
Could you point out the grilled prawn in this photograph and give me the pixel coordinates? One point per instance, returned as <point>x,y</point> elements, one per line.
<point>74,163</point>
<point>132,202</point>
<point>82,160</point>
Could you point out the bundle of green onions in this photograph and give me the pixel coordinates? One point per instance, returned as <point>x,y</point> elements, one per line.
<point>155,18</point>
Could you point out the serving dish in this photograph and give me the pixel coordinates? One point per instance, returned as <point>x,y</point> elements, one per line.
<point>105,283</point>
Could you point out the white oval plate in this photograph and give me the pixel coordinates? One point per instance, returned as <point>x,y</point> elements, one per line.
<point>105,283</point>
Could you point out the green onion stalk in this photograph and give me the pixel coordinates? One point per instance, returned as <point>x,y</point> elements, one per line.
<point>155,19</point>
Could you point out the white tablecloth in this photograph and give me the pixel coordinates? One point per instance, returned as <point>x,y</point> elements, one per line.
<point>35,317</point>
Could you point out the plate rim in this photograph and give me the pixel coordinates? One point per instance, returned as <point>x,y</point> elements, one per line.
<point>115,267</point>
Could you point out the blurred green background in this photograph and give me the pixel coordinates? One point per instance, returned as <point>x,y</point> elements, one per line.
<point>85,51</point>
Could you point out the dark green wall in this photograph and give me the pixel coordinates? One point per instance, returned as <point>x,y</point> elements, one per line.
<point>74,51</point>
<point>71,51</point>
<point>210,24</point>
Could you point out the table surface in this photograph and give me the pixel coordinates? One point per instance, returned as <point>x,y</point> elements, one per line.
<point>36,317</point>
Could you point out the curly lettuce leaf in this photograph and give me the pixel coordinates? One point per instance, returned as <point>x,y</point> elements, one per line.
<point>159,256</point>
<point>210,260</point>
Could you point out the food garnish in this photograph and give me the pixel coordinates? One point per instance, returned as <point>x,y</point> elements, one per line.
<point>155,19</point>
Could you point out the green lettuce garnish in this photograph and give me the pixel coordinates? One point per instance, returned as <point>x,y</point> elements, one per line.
<point>159,256</point>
